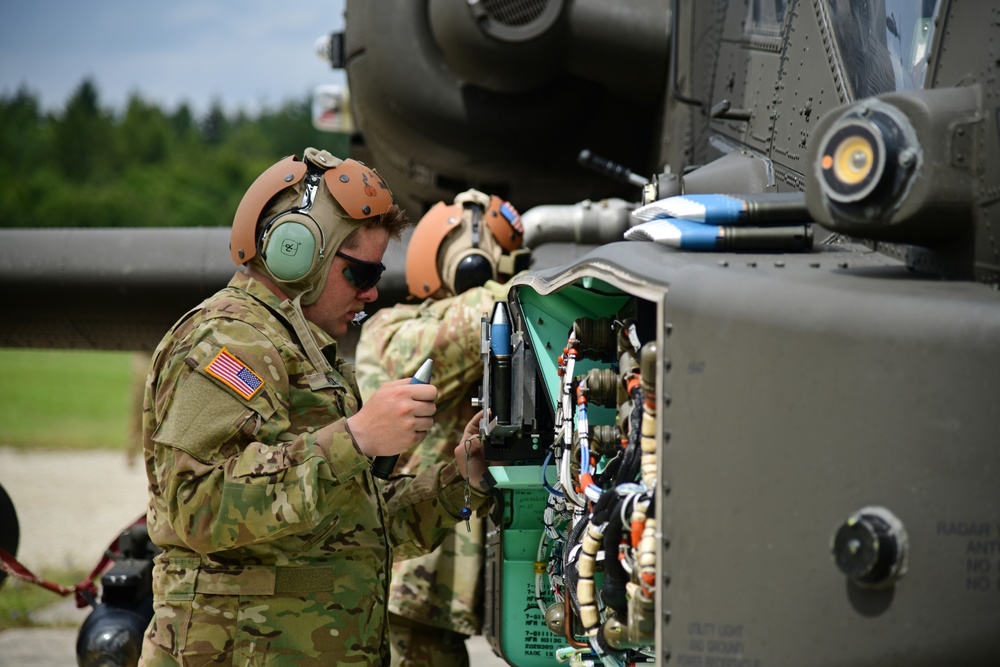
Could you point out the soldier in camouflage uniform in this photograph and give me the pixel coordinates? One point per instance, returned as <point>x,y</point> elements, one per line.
<point>456,259</point>
<point>277,541</point>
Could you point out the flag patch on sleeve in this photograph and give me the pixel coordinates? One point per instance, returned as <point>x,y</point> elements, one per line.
<point>235,374</point>
<point>511,215</point>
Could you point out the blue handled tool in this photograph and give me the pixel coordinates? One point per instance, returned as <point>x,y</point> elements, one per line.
<point>382,465</point>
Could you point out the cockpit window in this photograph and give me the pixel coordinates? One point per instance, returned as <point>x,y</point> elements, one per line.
<point>883,43</point>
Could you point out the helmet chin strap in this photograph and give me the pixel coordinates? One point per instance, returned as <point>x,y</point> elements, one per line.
<point>292,310</point>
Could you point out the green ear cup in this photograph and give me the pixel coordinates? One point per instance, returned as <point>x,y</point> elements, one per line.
<point>291,248</point>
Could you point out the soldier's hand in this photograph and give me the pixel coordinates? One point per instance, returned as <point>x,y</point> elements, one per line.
<point>474,466</point>
<point>395,418</point>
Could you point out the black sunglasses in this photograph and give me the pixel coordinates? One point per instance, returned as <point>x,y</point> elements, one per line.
<point>362,273</point>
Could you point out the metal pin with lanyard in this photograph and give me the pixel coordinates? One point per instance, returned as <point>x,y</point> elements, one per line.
<point>466,511</point>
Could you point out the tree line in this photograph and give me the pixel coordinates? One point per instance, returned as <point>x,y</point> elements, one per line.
<point>88,166</point>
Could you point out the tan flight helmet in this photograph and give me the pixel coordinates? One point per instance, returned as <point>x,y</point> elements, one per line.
<point>464,244</point>
<point>294,217</point>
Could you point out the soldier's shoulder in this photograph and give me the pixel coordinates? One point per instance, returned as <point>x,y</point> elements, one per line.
<point>232,320</point>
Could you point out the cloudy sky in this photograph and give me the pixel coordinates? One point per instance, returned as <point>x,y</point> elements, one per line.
<point>244,53</point>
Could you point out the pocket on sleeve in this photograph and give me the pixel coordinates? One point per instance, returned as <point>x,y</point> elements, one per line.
<point>201,419</point>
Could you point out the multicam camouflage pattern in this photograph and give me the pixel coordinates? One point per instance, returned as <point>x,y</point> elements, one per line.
<point>275,536</point>
<point>444,588</point>
<point>418,645</point>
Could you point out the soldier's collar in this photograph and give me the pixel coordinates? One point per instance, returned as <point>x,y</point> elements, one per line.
<point>257,290</point>
<point>318,345</point>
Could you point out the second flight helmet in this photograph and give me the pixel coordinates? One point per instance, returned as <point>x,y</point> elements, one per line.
<point>462,245</point>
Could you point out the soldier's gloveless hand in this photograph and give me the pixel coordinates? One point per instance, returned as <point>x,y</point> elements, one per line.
<point>395,418</point>
<point>473,465</point>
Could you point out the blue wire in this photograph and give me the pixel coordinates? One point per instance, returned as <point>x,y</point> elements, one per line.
<point>545,481</point>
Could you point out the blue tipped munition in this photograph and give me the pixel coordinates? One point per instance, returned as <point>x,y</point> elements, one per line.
<point>683,234</point>
<point>691,235</point>
<point>768,208</point>
<point>500,330</point>
<point>500,348</point>
<point>423,374</point>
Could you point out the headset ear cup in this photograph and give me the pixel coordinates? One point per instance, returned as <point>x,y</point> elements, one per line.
<point>290,249</point>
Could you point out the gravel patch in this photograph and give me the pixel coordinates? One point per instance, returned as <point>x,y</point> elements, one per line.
<point>70,505</point>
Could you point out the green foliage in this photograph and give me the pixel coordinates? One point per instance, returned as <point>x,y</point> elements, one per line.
<point>22,131</point>
<point>143,167</point>
<point>60,399</point>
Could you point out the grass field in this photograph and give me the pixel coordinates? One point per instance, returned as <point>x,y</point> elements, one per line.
<point>20,599</point>
<point>60,399</point>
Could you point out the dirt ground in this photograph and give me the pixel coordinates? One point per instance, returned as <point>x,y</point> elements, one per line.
<point>70,506</point>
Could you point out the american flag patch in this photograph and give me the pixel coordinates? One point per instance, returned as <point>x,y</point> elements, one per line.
<point>512,216</point>
<point>235,373</point>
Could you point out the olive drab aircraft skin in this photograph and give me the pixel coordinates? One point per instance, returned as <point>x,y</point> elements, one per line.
<point>742,410</point>
<point>789,444</point>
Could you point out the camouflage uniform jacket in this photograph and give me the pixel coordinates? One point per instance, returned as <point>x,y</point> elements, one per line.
<point>444,588</point>
<point>275,537</point>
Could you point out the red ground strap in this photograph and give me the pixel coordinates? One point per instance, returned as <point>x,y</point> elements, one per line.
<point>85,591</point>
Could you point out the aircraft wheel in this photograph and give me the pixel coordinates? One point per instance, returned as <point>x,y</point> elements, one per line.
<point>10,532</point>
